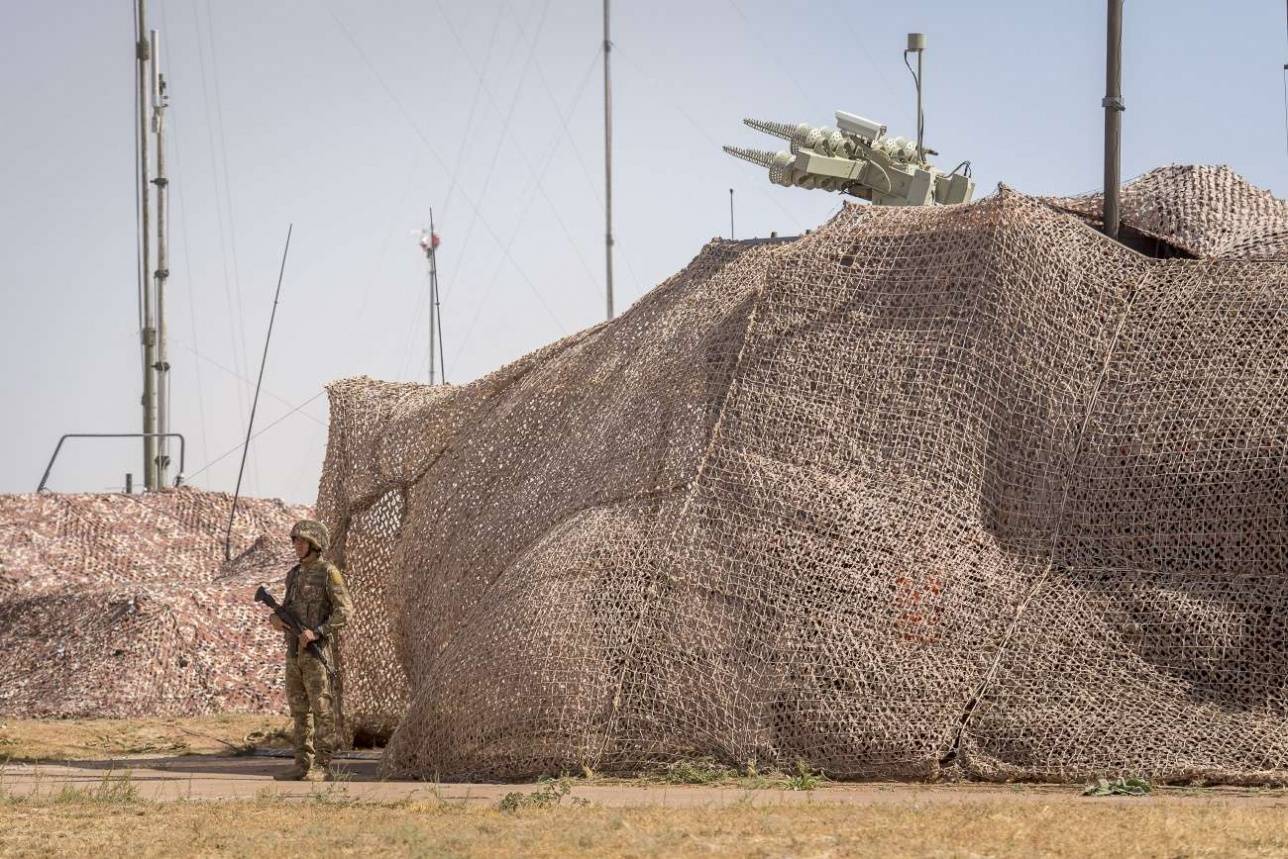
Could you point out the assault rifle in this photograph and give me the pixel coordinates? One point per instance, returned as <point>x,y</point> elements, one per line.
<point>287,617</point>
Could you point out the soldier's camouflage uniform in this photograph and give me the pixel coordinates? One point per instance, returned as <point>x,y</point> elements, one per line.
<point>317,595</point>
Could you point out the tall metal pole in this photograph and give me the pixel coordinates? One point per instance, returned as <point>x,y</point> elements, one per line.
<point>433,294</point>
<point>608,165</point>
<point>438,310</point>
<point>143,54</point>
<point>162,366</point>
<point>730,214</point>
<point>268,338</point>
<point>1114,107</point>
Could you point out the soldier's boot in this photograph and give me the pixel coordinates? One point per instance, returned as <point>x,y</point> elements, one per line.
<point>298,772</point>
<point>322,764</point>
<point>304,755</point>
<point>304,749</point>
<point>324,723</point>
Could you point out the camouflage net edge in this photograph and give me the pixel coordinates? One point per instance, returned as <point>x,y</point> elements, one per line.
<point>122,606</point>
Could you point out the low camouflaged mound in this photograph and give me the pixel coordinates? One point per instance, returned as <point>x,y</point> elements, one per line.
<point>1196,211</point>
<point>964,491</point>
<point>122,606</point>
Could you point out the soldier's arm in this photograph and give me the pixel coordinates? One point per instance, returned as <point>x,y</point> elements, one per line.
<point>341,604</point>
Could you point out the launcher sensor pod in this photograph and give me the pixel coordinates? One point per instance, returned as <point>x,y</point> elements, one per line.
<point>855,158</point>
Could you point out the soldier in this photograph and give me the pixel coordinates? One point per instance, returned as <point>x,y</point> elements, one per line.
<point>316,594</point>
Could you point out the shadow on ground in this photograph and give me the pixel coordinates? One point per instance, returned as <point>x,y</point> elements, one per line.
<point>364,767</point>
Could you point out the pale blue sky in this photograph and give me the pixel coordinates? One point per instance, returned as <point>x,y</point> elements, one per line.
<point>351,117</point>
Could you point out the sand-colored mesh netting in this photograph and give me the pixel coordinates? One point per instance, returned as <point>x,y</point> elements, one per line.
<point>1201,210</point>
<point>963,490</point>
<point>123,605</point>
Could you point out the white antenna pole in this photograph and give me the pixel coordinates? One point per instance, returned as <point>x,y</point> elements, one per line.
<point>437,361</point>
<point>162,366</point>
<point>608,165</point>
<point>143,53</point>
<point>433,295</point>
<point>438,309</point>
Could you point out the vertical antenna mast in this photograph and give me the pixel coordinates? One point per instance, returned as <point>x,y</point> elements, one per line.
<point>438,310</point>
<point>432,253</point>
<point>429,244</point>
<point>161,369</point>
<point>608,165</point>
<point>143,53</point>
<point>1113,105</point>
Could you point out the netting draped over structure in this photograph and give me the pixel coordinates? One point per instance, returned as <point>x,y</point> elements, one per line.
<point>969,489</point>
<point>1200,210</point>
<point>121,606</point>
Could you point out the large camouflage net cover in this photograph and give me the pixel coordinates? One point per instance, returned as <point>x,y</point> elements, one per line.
<point>960,491</point>
<point>123,606</point>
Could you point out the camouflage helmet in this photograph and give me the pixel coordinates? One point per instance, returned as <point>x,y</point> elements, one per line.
<point>314,532</point>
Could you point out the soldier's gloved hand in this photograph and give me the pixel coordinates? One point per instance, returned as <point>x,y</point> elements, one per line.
<point>306,636</point>
<point>276,622</point>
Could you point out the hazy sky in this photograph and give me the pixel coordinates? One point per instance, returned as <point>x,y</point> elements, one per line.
<point>350,118</point>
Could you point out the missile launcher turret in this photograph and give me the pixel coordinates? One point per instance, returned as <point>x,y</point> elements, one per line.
<point>856,158</point>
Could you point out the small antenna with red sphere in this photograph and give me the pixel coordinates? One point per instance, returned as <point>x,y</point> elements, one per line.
<point>429,242</point>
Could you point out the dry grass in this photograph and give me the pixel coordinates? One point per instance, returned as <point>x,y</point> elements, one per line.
<point>69,739</point>
<point>118,824</point>
<point>114,817</point>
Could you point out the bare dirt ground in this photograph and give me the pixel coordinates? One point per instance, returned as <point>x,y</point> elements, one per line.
<point>88,739</point>
<point>204,787</point>
<point>218,777</point>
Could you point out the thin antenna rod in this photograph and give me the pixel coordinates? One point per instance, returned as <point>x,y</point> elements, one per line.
<point>1113,105</point>
<point>433,298</point>
<point>731,214</point>
<point>921,114</point>
<point>228,536</point>
<point>608,166</point>
<point>429,244</point>
<point>438,310</point>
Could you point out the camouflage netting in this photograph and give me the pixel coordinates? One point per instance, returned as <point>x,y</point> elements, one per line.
<point>960,491</point>
<point>123,606</point>
<point>1199,210</point>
